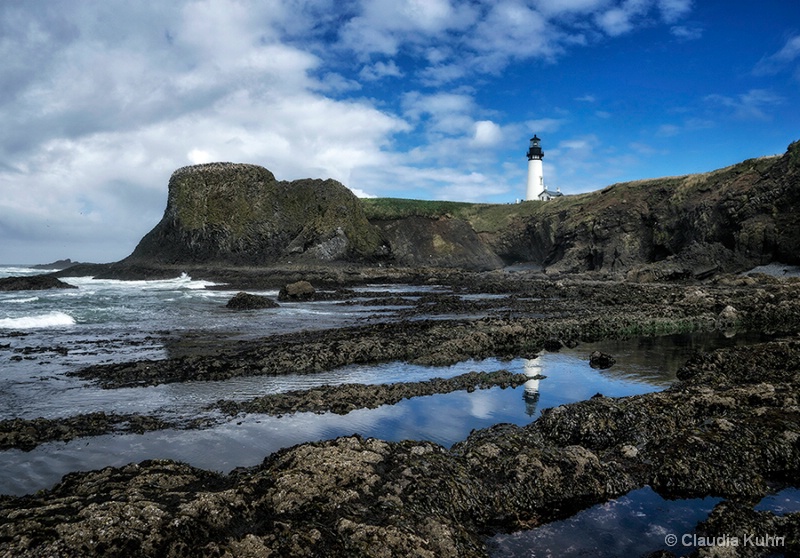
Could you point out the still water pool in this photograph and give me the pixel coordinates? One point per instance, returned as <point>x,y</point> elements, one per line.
<point>643,365</point>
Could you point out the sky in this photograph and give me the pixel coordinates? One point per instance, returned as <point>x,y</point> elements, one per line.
<point>101,100</point>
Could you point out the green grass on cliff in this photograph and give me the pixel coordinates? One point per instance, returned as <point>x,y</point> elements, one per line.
<point>635,197</point>
<point>483,217</point>
<point>398,208</point>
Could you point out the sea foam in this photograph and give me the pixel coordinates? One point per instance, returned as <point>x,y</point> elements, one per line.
<point>22,300</point>
<point>51,319</point>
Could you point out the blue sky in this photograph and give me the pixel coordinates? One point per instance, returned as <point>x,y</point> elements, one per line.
<point>434,99</point>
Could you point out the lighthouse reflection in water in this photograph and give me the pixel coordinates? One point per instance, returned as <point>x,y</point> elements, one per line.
<point>533,370</point>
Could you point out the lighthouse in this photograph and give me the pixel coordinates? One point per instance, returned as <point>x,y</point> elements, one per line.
<point>536,189</point>
<point>535,173</point>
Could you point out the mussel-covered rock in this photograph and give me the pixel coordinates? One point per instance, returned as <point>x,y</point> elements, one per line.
<point>601,360</point>
<point>299,290</point>
<point>247,301</point>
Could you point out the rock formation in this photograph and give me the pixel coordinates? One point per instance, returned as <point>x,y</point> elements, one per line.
<point>299,290</point>
<point>729,428</point>
<point>248,301</point>
<point>33,283</point>
<point>226,213</point>
<point>440,242</point>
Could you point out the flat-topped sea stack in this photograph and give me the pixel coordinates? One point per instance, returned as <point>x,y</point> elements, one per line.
<point>239,214</point>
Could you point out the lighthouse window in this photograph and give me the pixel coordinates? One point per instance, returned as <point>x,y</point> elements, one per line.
<point>541,181</point>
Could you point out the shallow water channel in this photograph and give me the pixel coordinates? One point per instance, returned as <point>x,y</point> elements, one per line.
<point>643,365</point>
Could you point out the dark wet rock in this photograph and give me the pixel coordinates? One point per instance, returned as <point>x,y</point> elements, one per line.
<point>601,360</point>
<point>299,290</point>
<point>729,428</point>
<point>26,434</point>
<point>553,345</point>
<point>248,301</point>
<point>33,283</point>
<point>383,301</point>
<point>342,399</point>
<point>757,533</point>
<point>443,241</point>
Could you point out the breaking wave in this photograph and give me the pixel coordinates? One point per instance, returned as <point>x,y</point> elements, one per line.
<point>51,319</point>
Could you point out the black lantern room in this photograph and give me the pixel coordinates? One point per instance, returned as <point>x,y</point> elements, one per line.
<point>535,150</point>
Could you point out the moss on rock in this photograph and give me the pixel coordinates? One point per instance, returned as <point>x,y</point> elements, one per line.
<point>240,214</point>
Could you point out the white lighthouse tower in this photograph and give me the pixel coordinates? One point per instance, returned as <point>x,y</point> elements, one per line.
<point>535,173</point>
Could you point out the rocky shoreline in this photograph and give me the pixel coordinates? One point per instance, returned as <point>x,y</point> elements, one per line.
<point>520,323</point>
<point>730,427</point>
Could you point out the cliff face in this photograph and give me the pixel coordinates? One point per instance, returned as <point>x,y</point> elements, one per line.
<point>442,242</point>
<point>727,220</point>
<point>239,214</point>
<point>670,228</point>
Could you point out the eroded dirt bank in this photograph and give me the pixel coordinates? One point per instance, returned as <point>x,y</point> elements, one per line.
<point>730,427</point>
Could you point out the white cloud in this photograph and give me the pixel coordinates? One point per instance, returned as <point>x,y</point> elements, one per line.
<point>448,113</point>
<point>199,156</point>
<point>625,17</point>
<point>621,19</point>
<point>687,125</point>
<point>784,58</point>
<point>361,193</point>
<point>578,144</point>
<point>511,29</point>
<point>487,133</point>
<point>753,105</point>
<point>687,32</point>
<point>672,10</point>
<point>561,7</point>
<point>384,25</point>
<point>380,70</point>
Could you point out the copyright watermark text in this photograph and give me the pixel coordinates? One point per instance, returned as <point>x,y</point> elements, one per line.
<point>751,540</point>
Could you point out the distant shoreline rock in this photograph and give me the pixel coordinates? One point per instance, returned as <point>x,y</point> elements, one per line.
<point>58,264</point>
<point>33,283</point>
